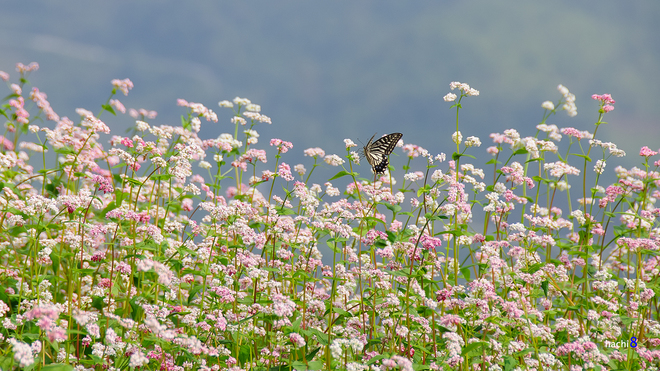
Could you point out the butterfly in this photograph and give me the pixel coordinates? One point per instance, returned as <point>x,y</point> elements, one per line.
<point>377,152</point>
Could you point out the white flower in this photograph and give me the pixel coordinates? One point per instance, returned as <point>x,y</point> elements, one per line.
<point>457,137</point>
<point>333,160</point>
<point>349,143</point>
<point>548,105</point>
<point>253,107</point>
<point>226,104</point>
<point>472,142</point>
<point>141,125</point>
<point>242,101</point>
<point>449,97</point>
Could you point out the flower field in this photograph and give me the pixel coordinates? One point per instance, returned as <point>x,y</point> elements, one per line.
<point>161,249</point>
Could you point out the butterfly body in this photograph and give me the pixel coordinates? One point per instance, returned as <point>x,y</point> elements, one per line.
<point>377,152</point>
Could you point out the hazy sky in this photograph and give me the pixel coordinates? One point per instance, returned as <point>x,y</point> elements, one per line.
<point>327,71</point>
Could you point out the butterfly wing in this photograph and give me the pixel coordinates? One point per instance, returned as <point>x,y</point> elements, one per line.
<point>377,152</point>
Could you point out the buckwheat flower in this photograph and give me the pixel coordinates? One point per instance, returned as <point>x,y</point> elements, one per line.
<point>450,97</point>
<point>569,106</point>
<point>3,308</point>
<point>16,89</point>
<point>253,107</point>
<point>22,352</point>
<point>559,169</point>
<point>472,142</point>
<point>284,171</point>
<point>465,88</point>
<point>561,185</point>
<point>21,68</point>
<point>349,143</point>
<point>95,125</point>
<point>138,359</point>
<point>548,105</point>
<point>300,169</point>
<point>41,100</point>
<point>579,216</point>
<point>330,190</point>
<point>312,152</point>
<point>457,137</point>
<point>355,157</point>
<point>647,152</point>
<point>437,176</point>
<point>226,104</point>
<point>413,177</point>
<point>607,98</point>
<point>118,105</point>
<point>4,76</point>
<point>141,125</point>
<point>333,160</point>
<point>204,165</point>
<point>297,340</point>
<point>124,85</point>
<point>282,145</point>
<point>238,120</point>
<point>572,132</point>
<point>196,124</point>
<point>600,166</point>
<point>492,150</point>
<point>242,101</point>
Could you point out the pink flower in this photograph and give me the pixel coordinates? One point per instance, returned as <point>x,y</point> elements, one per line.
<point>142,113</point>
<point>127,142</point>
<point>22,352</point>
<point>124,85</point>
<point>606,98</point>
<point>282,146</point>
<point>21,68</point>
<point>6,143</point>
<point>118,105</point>
<point>312,152</point>
<point>647,152</point>
<point>284,170</point>
<point>40,99</point>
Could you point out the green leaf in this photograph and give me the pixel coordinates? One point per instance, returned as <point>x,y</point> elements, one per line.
<point>510,363</point>
<point>424,189</point>
<point>133,181</point>
<point>244,353</point>
<point>185,123</point>
<point>394,208</point>
<point>472,346</point>
<point>493,161</point>
<point>57,367</point>
<point>374,219</point>
<point>109,108</point>
<point>193,292</point>
<point>466,274</point>
<point>544,286</point>
<point>339,175</point>
<point>311,354</point>
<point>314,365</point>
<point>533,268</point>
<point>579,155</point>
